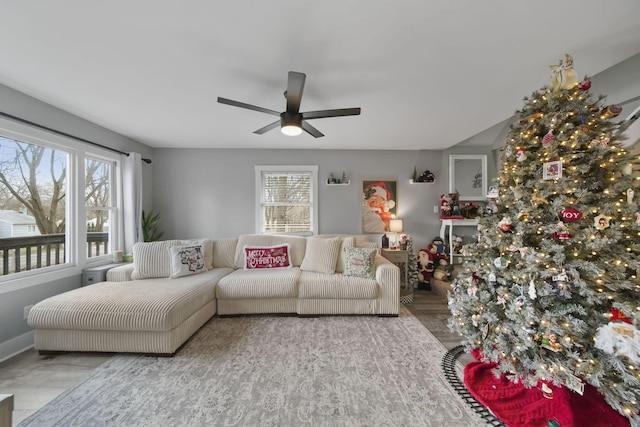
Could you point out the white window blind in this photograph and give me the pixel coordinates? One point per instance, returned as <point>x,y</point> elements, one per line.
<point>286,199</point>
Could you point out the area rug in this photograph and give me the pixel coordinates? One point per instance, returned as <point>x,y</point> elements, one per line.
<point>274,371</point>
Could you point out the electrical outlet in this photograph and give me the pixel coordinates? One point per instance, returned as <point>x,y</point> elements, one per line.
<point>436,208</point>
<point>26,310</point>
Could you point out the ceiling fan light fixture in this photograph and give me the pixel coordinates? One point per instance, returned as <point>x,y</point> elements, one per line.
<point>290,124</point>
<point>291,129</point>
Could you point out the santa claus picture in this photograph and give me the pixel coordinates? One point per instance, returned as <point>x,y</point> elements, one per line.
<point>378,205</point>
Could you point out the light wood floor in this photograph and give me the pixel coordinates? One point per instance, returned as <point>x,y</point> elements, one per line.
<point>35,380</point>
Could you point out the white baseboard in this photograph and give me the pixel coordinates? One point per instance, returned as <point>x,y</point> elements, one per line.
<point>16,345</point>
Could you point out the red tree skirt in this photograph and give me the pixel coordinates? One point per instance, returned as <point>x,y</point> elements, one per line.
<point>518,406</point>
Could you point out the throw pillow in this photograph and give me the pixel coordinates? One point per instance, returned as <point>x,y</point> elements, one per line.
<point>187,260</point>
<point>321,255</point>
<point>256,257</point>
<point>367,245</point>
<point>347,242</point>
<point>358,262</point>
<point>297,246</point>
<point>207,249</point>
<point>151,259</point>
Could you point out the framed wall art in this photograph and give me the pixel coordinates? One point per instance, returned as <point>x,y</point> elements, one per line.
<point>379,205</point>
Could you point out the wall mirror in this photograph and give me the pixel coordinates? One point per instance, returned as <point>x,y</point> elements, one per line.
<point>468,176</point>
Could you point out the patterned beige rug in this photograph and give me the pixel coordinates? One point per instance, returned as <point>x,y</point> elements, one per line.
<point>274,371</point>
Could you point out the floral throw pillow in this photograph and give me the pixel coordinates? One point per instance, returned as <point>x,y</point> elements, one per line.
<point>358,262</point>
<point>186,260</point>
<point>257,257</point>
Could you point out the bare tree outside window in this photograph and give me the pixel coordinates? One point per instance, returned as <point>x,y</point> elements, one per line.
<point>98,206</point>
<point>97,194</point>
<point>33,178</point>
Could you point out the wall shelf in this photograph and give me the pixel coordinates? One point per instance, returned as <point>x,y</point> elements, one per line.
<point>411,181</point>
<point>347,182</point>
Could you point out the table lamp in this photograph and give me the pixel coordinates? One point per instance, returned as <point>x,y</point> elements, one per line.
<point>396,226</point>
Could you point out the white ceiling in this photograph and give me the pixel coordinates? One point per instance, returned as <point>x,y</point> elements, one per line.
<point>427,74</point>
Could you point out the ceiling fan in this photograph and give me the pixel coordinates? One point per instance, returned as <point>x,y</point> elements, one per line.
<point>292,122</point>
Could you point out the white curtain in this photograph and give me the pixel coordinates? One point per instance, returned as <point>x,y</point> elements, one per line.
<point>131,201</point>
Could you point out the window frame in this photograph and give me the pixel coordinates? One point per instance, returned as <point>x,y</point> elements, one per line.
<point>112,208</point>
<point>76,234</point>
<point>312,170</point>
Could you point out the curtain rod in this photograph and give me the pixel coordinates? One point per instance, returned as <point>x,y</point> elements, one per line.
<point>28,122</point>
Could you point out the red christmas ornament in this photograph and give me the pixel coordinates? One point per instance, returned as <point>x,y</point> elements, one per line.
<point>548,139</point>
<point>571,215</point>
<point>618,316</point>
<point>585,85</point>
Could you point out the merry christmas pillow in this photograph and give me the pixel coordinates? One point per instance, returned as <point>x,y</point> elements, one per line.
<point>257,257</point>
<point>358,262</point>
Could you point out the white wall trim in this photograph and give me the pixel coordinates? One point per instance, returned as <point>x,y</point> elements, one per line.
<point>16,345</point>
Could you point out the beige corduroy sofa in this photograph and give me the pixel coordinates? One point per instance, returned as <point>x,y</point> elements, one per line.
<point>141,309</point>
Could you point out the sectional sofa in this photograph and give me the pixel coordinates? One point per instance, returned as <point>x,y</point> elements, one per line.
<point>173,287</point>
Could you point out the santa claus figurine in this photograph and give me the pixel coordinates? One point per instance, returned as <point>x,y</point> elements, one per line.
<point>505,225</point>
<point>562,233</point>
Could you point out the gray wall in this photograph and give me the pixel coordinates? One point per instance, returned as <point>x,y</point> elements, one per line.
<point>15,334</point>
<point>210,193</point>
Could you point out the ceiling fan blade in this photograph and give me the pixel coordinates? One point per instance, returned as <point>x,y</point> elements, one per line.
<point>311,130</point>
<point>247,106</point>
<point>295,87</point>
<point>331,113</point>
<point>268,127</point>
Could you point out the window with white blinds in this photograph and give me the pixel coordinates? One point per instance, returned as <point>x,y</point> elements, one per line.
<point>286,199</point>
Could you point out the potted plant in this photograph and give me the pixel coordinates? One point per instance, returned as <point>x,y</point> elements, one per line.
<point>150,230</point>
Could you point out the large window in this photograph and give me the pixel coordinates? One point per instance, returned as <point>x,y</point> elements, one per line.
<point>286,199</point>
<point>57,202</point>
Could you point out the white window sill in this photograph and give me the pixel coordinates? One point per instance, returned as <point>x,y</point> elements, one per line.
<point>18,281</point>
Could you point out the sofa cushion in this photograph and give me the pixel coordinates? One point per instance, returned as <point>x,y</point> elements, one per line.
<point>187,260</point>
<point>224,252</point>
<point>151,259</point>
<point>297,246</point>
<point>312,285</point>
<point>359,262</point>
<point>266,257</point>
<point>251,284</point>
<point>321,255</point>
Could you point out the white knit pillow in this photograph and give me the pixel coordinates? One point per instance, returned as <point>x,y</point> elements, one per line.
<point>207,249</point>
<point>321,255</point>
<point>151,259</point>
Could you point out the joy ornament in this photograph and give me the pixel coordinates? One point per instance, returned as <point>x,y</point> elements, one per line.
<point>571,215</point>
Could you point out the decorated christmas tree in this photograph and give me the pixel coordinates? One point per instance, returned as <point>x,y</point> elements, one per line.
<point>550,292</point>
